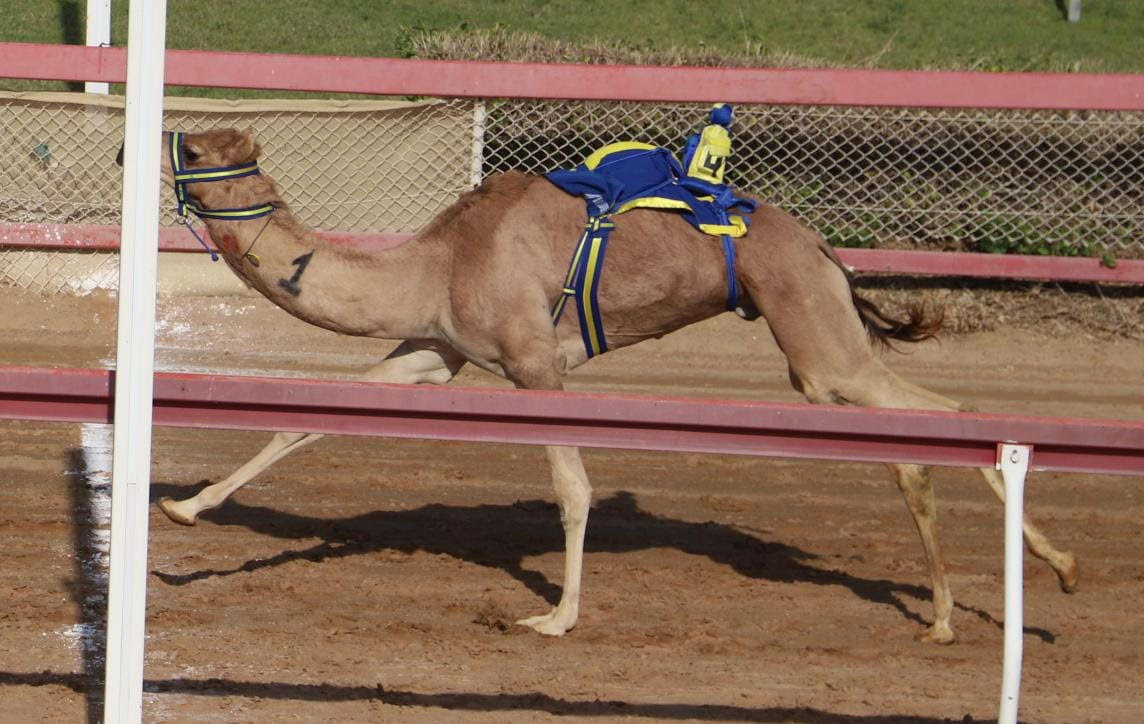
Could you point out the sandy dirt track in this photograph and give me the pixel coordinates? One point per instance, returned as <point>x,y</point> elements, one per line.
<point>374,580</point>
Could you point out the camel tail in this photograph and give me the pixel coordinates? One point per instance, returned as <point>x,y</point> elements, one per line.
<point>884,329</point>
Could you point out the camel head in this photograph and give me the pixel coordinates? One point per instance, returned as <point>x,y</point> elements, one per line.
<point>215,174</point>
<point>218,148</point>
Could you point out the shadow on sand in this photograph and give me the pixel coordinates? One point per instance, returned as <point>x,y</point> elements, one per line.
<point>503,536</point>
<point>497,536</point>
<point>472,702</point>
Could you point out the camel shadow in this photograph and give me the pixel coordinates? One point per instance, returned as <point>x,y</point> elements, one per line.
<point>504,536</point>
<point>462,702</point>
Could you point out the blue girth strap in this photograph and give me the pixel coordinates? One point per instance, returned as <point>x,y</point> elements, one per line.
<point>583,281</point>
<point>729,265</point>
<point>184,203</point>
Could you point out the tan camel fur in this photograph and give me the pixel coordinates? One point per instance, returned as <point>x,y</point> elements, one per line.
<point>477,286</point>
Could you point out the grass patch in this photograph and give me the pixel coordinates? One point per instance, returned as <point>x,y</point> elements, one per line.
<point>1009,35</point>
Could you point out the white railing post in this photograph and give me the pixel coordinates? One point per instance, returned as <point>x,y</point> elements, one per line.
<point>99,36</point>
<point>131,457</point>
<point>477,161</point>
<point>1013,461</point>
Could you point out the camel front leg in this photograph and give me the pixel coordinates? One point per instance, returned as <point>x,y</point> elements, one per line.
<point>409,363</point>
<point>574,494</point>
<point>187,511</point>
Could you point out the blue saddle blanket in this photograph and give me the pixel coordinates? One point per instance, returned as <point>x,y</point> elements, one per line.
<point>624,176</point>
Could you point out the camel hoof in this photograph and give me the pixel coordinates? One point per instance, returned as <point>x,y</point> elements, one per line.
<point>550,624</point>
<point>168,506</point>
<point>937,635</point>
<point>1069,574</point>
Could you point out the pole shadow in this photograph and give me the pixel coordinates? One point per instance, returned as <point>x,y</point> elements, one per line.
<point>73,31</point>
<point>87,586</point>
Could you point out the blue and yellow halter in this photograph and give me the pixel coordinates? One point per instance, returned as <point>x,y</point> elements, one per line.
<point>184,203</point>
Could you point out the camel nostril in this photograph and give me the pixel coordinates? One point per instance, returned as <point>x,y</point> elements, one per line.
<point>119,156</point>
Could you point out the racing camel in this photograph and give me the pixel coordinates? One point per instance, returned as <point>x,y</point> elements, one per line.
<point>479,283</point>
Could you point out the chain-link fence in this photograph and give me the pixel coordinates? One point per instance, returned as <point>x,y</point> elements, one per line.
<point>349,166</point>
<point>1019,181</point>
<point>1064,182</point>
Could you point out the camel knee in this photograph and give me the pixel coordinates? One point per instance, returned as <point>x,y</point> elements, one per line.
<point>917,488</point>
<point>570,481</point>
<point>826,394</point>
<point>283,440</point>
<point>860,379</point>
<point>282,444</point>
<point>410,364</point>
<point>574,495</point>
<point>817,390</point>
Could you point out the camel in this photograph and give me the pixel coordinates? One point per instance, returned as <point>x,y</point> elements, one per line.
<point>477,285</point>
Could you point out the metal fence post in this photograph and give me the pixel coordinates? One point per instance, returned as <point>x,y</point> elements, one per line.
<point>135,364</point>
<point>98,35</point>
<point>1013,461</point>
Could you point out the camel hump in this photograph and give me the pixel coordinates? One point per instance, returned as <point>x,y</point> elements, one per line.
<point>485,205</point>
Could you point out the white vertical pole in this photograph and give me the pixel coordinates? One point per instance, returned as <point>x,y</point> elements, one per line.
<point>477,162</point>
<point>131,457</point>
<point>98,35</point>
<point>1013,460</point>
<point>1074,11</point>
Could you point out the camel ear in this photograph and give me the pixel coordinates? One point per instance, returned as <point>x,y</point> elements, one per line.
<point>246,149</point>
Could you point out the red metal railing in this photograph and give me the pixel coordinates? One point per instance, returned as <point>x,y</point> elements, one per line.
<point>536,417</point>
<point>888,261</point>
<point>555,418</point>
<point>447,79</point>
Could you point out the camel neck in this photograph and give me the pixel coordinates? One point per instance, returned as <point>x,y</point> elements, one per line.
<point>378,294</point>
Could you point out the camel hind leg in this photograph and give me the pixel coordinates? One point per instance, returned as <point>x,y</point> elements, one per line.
<point>806,299</point>
<point>1063,563</point>
<point>877,386</point>
<point>409,363</point>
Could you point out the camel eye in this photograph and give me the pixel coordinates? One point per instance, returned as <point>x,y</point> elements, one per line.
<point>190,155</point>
